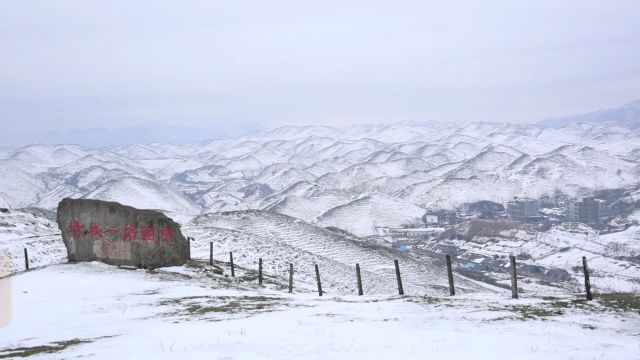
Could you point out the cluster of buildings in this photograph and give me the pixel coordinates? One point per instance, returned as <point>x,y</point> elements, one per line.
<point>593,211</point>
<point>588,210</point>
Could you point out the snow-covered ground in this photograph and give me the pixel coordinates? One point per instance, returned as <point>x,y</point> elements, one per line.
<point>96,311</point>
<point>40,236</point>
<point>612,258</point>
<point>92,310</point>
<point>606,255</point>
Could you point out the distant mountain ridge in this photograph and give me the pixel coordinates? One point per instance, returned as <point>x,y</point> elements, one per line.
<point>352,177</point>
<point>626,115</point>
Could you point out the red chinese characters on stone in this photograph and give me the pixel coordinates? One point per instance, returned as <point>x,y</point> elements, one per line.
<point>148,233</point>
<point>94,230</point>
<point>111,231</point>
<point>166,233</point>
<point>76,229</point>
<point>130,232</point>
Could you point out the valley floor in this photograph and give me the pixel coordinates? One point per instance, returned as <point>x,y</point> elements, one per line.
<point>91,310</point>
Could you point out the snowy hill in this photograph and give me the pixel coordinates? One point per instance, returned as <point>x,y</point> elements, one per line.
<point>281,240</point>
<point>339,176</point>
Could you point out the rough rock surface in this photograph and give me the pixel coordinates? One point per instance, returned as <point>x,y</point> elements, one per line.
<point>120,235</point>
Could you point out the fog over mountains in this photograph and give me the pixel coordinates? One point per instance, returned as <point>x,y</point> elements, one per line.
<point>351,177</point>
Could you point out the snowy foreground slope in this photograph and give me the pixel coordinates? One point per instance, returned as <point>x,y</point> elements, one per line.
<point>92,310</point>
<point>350,177</point>
<point>95,311</point>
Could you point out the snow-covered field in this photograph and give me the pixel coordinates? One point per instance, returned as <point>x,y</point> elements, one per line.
<point>92,310</point>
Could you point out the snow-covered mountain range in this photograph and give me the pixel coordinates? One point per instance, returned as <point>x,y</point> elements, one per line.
<point>351,177</point>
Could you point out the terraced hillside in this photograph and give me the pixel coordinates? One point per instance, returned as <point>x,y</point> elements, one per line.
<point>280,240</point>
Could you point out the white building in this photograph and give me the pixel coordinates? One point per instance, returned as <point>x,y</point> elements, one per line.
<point>423,233</point>
<point>431,219</point>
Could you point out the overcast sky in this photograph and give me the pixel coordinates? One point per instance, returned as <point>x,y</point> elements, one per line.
<point>76,67</point>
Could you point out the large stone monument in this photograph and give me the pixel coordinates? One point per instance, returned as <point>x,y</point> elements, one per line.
<point>120,235</point>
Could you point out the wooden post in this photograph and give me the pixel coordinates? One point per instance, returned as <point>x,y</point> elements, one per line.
<point>260,271</point>
<point>400,289</point>
<point>452,290</point>
<point>318,280</point>
<point>514,279</point>
<point>233,272</point>
<point>211,253</point>
<point>26,259</point>
<point>290,278</point>
<point>587,283</point>
<point>360,292</point>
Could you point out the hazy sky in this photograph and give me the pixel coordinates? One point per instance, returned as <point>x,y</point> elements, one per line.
<point>75,67</point>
